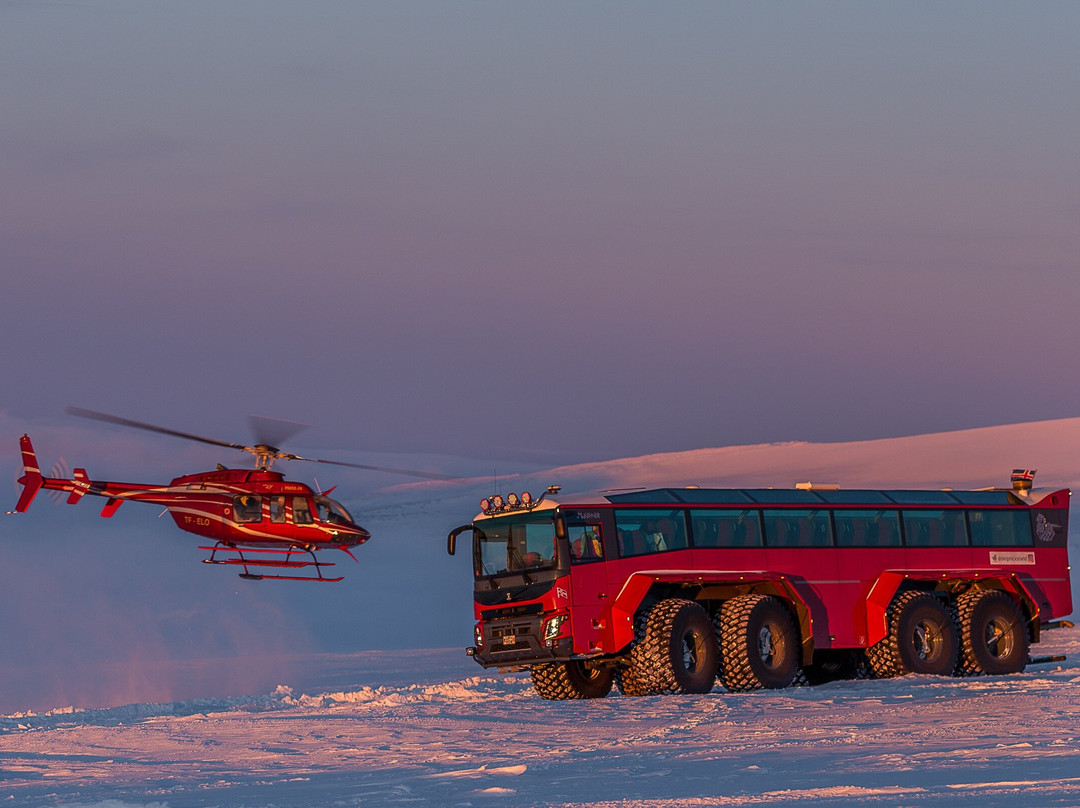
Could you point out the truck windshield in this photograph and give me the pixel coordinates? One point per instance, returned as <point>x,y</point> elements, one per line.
<point>521,542</point>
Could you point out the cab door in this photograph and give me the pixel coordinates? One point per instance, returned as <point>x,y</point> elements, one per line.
<point>589,539</point>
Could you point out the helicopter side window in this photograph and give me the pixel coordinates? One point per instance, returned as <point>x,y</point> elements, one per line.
<point>301,511</point>
<point>277,508</point>
<point>247,508</point>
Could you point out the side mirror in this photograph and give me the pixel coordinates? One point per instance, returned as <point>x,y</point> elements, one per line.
<point>451,540</point>
<point>560,527</point>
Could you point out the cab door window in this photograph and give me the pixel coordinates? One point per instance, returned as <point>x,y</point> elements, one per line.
<point>586,542</point>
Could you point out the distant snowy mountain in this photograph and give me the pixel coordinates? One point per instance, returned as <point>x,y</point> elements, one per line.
<point>972,458</point>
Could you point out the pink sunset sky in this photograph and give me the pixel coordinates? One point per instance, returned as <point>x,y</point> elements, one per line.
<point>556,231</point>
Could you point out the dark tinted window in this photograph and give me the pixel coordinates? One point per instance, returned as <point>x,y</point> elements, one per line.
<point>1000,528</point>
<point>720,496</point>
<point>726,528</point>
<point>654,495</point>
<point>784,496</point>
<point>935,528</point>
<point>650,530</point>
<point>877,528</point>
<point>922,497</point>
<point>797,528</point>
<point>853,497</point>
<point>982,497</point>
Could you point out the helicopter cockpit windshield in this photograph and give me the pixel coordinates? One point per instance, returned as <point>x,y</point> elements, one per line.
<point>331,511</point>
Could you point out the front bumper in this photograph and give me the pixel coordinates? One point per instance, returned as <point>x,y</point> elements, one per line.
<point>517,641</point>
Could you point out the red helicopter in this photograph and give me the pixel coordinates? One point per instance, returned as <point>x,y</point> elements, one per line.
<point>257,519</point>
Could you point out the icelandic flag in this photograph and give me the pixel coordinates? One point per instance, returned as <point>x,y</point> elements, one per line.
<point>1023,476</point>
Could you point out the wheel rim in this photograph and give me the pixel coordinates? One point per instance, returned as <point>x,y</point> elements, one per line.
<point>767,646</point>
<point>691,652</point>
<point>590,674</point>
<point>927,640</point>
<point>998,638</point>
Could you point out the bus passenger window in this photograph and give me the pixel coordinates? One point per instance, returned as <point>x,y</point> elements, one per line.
<point>791,527</point>
<point>867,528</point>
<point>935,528</point>
<point>1000,528</point>
<point>650,531</point>
<point>726,528</point>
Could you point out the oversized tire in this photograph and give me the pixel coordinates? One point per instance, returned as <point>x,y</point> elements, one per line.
<point>629,683</point>
<point>923,638</point>
<point>627,679</point>
<point>556,681</point>
<point>993,634</point>
<point>759,643</point>
<point>678,652</point>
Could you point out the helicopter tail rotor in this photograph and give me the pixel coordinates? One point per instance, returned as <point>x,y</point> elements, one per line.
<point>62,471</point>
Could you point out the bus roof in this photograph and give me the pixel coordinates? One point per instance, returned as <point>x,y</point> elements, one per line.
<point>824,496</point>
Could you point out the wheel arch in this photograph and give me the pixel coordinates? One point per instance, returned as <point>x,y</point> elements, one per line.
<point>952,584</point>
<point>642,589</point>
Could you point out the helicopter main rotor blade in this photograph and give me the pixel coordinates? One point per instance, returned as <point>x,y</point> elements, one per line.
<point>273,431</point>
<point>113,419</point>
<point>427,475</point>
<point>269,432</point>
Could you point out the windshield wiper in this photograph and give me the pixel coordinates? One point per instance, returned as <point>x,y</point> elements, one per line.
<point>514,555</point>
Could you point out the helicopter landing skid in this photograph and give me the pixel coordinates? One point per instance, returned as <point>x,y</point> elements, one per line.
<point>258,559</point>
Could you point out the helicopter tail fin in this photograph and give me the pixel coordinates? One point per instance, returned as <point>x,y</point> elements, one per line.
<point>31,481</point>
<point>80,485</point>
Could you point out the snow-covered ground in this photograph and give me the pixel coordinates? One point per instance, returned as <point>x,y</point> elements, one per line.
<point>429,727</point>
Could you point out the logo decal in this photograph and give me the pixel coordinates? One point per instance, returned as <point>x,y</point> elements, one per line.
<point>1000,558</point>
<point>1045,531</point>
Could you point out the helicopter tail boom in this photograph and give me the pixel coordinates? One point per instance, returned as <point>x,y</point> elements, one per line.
<point>33,481</point>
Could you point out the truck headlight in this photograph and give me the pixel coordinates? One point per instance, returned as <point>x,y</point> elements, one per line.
<point>552,626</point>
<point>478,635</point>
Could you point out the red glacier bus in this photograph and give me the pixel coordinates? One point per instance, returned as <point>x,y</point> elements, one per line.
<point>663,591</point>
